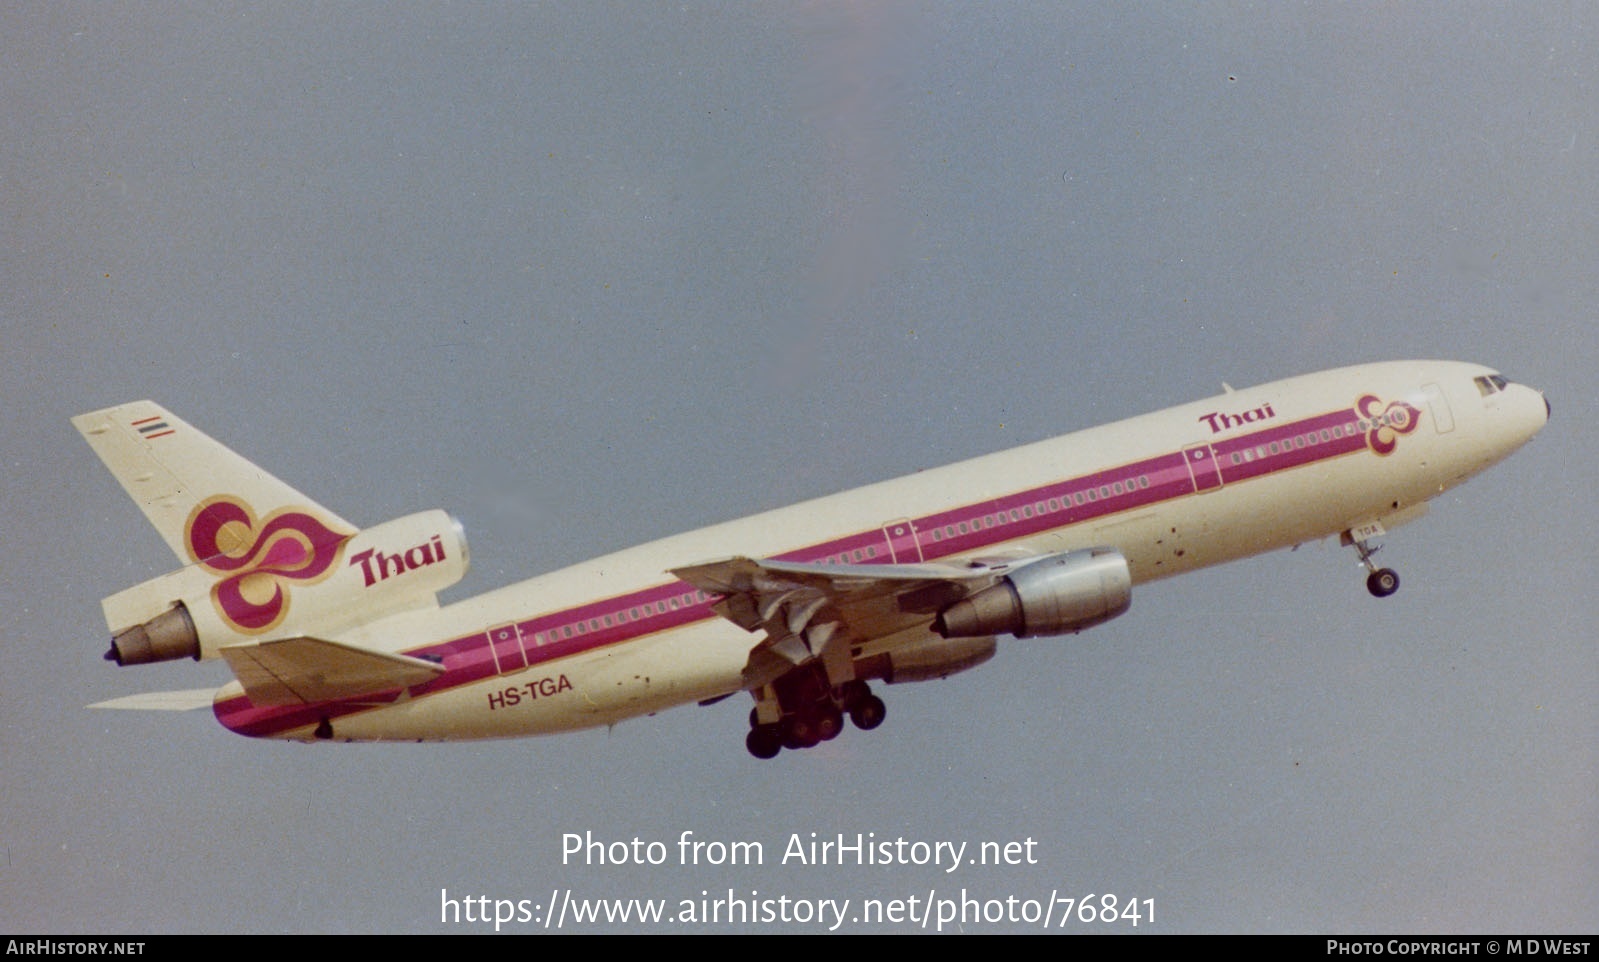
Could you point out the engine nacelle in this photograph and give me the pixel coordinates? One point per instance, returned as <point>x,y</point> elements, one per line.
<point>288,583</point>
<point>1058,595</point>
<point>927,660</point>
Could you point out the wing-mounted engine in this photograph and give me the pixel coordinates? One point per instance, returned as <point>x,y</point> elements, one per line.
<point>287,575</point>
<point>927,659</point>
<point>1058,595</point>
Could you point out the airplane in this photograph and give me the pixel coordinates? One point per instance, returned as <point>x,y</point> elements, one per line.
<point>335,633</point>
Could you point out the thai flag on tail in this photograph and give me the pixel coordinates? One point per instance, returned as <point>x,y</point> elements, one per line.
<point>153,427</point>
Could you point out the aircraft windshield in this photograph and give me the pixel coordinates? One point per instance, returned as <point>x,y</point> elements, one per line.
<point>1491,384</point>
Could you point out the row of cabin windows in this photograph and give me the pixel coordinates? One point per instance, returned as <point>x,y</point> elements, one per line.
<point>1277,447</point>
<point>1041,508</point>
<point>845,557</point>
<point>636,613</point>
<point>1299,442</point>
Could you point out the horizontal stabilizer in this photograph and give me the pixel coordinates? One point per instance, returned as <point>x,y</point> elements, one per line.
<point>187,700</point>
<point>300,671</point>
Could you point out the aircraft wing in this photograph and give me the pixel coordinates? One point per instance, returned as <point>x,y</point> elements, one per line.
<point>297,671</point>
<point>805,608</point>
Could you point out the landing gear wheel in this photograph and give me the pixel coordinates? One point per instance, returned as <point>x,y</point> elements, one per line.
<point>868,713</point>
<point>798,732</point>
<point>1383,582</point>
<point>324,730</point>
<point>829,723</point>
<point>764,741</point>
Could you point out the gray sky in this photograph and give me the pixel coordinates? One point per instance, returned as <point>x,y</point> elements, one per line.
<point>589,274</point>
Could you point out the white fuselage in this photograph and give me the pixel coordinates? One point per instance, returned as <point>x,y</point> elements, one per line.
<point>1191,486</point>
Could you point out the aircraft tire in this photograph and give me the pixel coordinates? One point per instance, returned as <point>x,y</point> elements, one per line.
<point>764,741</point>
<point>1383,582</point>
<point>798,732</point>
<point>868,713</point>
<point>829,724</point>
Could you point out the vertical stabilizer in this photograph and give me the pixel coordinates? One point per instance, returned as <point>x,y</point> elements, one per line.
<point>170,469</point>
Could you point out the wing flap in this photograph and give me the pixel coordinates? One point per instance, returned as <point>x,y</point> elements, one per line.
<point>302,670</point>
<point>805,608</point>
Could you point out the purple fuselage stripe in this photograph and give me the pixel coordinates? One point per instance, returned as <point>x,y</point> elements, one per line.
<point>972,527</point>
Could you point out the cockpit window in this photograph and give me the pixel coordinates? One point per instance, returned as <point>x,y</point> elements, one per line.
<point>1491,384</point>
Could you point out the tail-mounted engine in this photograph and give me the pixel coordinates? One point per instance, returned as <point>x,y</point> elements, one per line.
<point>1058,595</point>
<point>292,578</point>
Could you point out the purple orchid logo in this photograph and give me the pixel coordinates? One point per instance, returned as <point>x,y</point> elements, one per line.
<point>1383,427</point>
<point>257,560</point>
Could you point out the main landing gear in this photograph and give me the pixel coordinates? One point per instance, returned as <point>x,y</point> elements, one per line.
<point>812,712</point>
<point>1381,582</point>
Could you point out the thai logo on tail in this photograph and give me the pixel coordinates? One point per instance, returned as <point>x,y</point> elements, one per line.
<point>1383,427</point>
<point>257,560</point>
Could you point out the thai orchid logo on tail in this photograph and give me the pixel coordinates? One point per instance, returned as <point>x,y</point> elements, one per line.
<point>1384,427</point>
<point>257,560</point>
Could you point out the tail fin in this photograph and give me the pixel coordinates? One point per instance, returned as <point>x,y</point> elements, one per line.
<point>206,502</point>
<point>170,469</point>
<point>260,562</point>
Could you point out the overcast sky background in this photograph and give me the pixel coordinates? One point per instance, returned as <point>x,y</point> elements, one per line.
<point>589,274</point>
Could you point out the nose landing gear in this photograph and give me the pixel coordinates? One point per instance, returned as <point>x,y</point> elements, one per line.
<point>1381,582</point>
